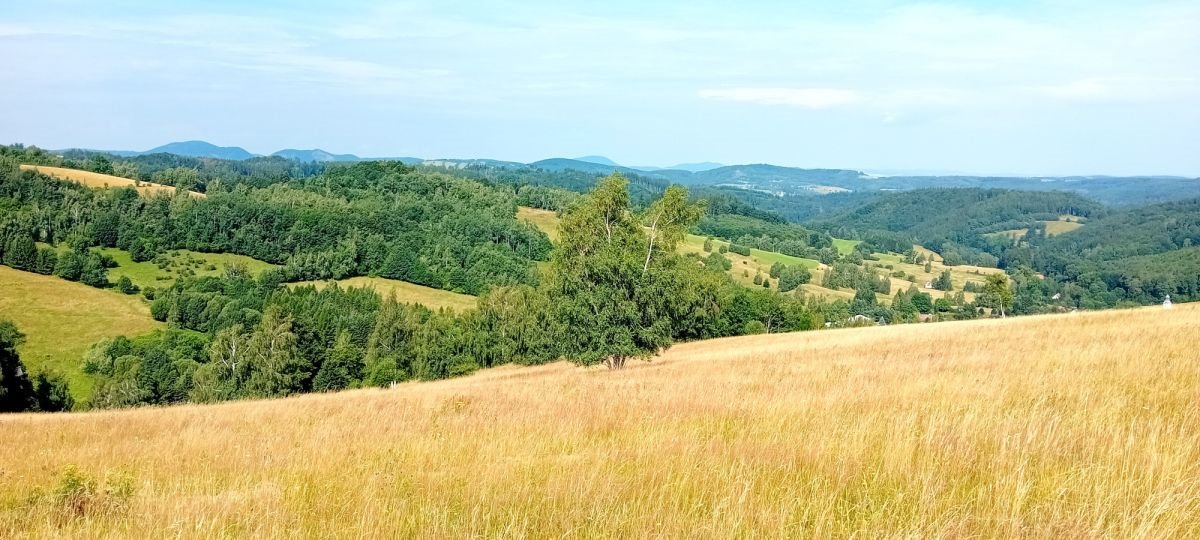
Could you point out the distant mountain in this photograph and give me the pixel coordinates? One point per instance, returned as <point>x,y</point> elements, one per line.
<point>563,164</point>
<point>464,163</point>
<point>315,154</point>
<point>696,167</point>
<point>773,186</point>
<point>202,149</point>
<point>118,153</point>
<point>599,160</point>
<point>401,159</point>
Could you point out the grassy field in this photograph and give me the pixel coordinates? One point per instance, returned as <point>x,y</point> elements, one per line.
<point>98,180</point>
<point>405,292</point>
<point>745,268</point>
<point>1063,224</point>
<point>545,220</point>
<point>1084,427</point>
<point>959,275</point>
<point>845,246</point>
<point>149,274</point>
<point>62,319</point>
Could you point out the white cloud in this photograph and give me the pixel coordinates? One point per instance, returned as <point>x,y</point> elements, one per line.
<point>810,98</point>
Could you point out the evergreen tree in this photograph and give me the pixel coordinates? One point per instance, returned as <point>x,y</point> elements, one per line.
<point>272,357</point>
<point>16,391</point>
<point>21,253</point>
<point>343,366</point>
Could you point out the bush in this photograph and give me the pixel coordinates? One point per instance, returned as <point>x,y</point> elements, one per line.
<point>126,286</point>
<point>76,494</point>
<point>755,327</point>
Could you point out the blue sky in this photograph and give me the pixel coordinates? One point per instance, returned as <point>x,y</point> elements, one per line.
<point>1026,87</point>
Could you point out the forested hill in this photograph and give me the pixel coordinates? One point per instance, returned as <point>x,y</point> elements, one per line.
<point>1146,252</point>
<point>956,213</point>
<point>954,222</point>
<point>795,183</point>
<point>377,218</point>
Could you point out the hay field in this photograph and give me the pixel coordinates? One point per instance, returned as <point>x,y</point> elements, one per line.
<point>98,180</point>
<point>63,319</point>
<point>1066,426</point>
<point>405,292</point>
<point>544,220</point>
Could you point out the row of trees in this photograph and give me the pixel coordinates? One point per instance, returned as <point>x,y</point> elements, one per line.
<point>19,251</point>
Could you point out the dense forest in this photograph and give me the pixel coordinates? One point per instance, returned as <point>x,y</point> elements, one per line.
<point>375,218</point>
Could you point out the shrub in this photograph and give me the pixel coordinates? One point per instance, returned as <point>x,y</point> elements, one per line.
<point>77,494</point>
<point>755,327</point>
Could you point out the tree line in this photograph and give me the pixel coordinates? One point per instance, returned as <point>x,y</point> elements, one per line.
<point>615,289</point>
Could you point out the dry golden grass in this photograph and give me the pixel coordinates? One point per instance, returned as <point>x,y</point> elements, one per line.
<point>98,180</point>
<point>1063,224</point>
<point>544,220</point>
<point>405,292</point>
<point>62,319</point>
<point>1068,426</point>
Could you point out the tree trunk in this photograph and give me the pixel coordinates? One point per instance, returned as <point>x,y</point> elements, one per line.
<point>615,362</point>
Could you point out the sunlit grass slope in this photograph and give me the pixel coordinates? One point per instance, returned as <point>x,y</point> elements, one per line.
<point>405,292</point>
<point>98,180</point>
<point>1067,426</point>
<point>62,319</point>
<point>544,220</point>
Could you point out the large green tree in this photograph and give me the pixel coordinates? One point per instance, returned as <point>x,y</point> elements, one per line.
<point>607,276</point>
<point>996,292</point>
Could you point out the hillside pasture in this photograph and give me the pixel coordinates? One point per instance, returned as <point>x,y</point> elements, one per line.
<point>404,291</point>
<point>745,268</point>
<point>545,220</point>
<point>63,319</point>
<point>165,269</point>
<point>98,180</point>
<point>1064,224</point>
<point>1085,427</point>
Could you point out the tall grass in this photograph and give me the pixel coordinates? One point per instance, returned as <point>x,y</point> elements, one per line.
<point>1070,426</point>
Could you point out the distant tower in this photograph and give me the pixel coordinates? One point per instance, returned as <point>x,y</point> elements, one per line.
<point>1167,302</point>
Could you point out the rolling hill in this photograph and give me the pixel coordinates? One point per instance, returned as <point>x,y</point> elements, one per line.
<point>63,319</point>
<point>201,149</point>
<point>316,154</point>
<point>1084,427</point>
<point>775,181</point>
<point>98,180</point>
<point>405,292</point>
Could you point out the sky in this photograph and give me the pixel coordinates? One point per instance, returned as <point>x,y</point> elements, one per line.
<point>998,87</point>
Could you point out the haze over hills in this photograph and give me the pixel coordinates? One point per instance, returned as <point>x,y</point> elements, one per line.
<point>316,154</point>
<point>761,178</point>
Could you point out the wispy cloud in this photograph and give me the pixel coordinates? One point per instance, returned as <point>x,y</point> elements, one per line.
<point>537,69</point>
<point>809,98</point>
